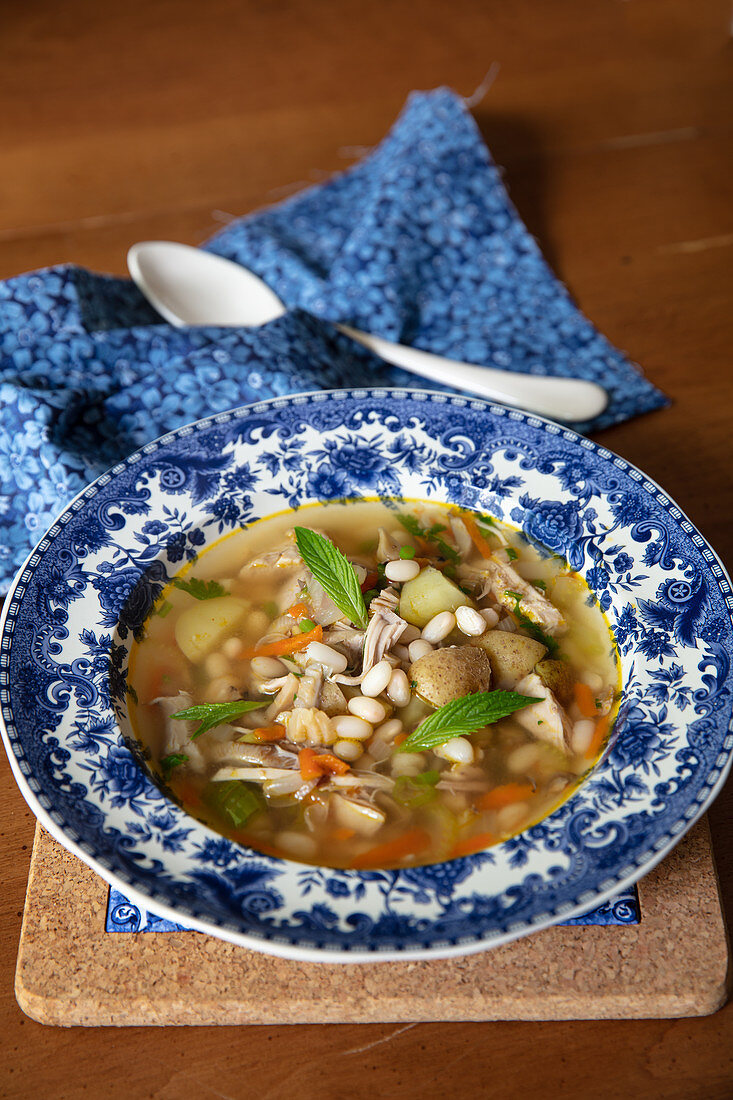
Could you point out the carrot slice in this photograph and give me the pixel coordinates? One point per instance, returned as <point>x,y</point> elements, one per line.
<point>400,737</point>
<point>343,834</point>
<point>285,645</point>
<point>270,733</point>
<point>314,764</point>
<point>409,844</point>
<point>585,699</point>
<point>477,538</point>
<point>505,795</point>
<point>369,581</point>
<point>472,844</point>
<point>297,610</point>
<point>599,736</point>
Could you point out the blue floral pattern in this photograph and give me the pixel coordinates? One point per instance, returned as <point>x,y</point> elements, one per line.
<point>63,670</point>
<point>419,243</point>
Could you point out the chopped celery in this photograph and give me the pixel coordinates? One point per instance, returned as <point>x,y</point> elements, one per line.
<point>233,799</point>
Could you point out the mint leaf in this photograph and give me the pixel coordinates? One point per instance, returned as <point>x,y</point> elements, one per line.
<point>334,572</point>
<point>171,761</point>
<point>214,714</point>
<point>463,716</point>
<point>200,590</point>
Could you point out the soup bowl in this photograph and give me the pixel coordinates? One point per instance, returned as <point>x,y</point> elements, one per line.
<point>76,603</point>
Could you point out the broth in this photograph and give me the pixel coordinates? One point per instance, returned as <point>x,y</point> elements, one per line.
<point>460,611</point>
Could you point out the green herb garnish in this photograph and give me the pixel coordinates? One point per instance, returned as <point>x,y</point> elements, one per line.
<point>171,761</point>
<point>305,625</point>
<point>429,534</point>
<point>233,799</point>
<point>541,585</point>
<point>511,553</point>
<point>416,790</point>
<point>334,572</point>
<point>164,609</point>
<point>214,714</point>
<point>271,609</point>
<point>407,552</point>
<point>531,627</point>
<point>200,590</point>
<point>464,716</point>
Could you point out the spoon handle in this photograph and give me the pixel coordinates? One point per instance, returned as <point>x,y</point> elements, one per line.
<point>567,399</point>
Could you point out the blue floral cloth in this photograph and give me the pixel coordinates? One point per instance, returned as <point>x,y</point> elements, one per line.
<point>418,243</point>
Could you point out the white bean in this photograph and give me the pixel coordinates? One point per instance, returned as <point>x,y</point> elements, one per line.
<point>458,750</point>
<point>371,710</point>
<point>297,845</point>
<point>419,648</point>
<point>389,729</point>
<point>401,651</point>
<point>522,758</point>
<point>593,680</point>
<point>257,623</point>
<point>490,616</point>
<point>401,570</point>
<point>351,728</point>
<point>398,688</point>
<point>439,627</point>
<point>327,656</point>
<point>470,622</point>
<point>510,816</point>
<point>377,679</point>
<point>216,664</point>
<point>221,690</point>
<point>232,647</point>
<point>348,750</point>
<point>407,763</point>
<point>583,731</point>
<point>267,668</point>
<point>409,634</point>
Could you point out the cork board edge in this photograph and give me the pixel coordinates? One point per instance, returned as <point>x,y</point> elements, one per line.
<point>616,977</point>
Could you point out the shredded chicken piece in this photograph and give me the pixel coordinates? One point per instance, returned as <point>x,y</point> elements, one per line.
<point>333,700</point>
<point>387,600</point>
<point>308,726</point>
<point>285,558</point>
<point>177,732</point>
<point>284,698</point>
<point>461,537</point>
<point>387,548</point>
<point>385,628</point>
<point>348,639</point>
<point>266,755</point>
<point>535,606</point>
<point>545,720</point>
<point>309,688</point>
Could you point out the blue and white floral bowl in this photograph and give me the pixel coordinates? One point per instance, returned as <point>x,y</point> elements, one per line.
<point>68,621</point>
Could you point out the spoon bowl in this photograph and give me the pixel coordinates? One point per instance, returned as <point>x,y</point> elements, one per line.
<point>189,286</point>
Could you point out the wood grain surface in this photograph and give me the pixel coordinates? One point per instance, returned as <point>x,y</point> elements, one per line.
<point>612,120</point>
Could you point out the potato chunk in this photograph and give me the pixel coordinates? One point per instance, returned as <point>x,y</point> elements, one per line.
<point>428,594</point>
<point>207,624</point>
<point>447,674</point>
<point>559,678</point>
<point>512,656</point>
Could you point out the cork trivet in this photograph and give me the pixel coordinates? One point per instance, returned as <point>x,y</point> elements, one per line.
<point>70,971</point>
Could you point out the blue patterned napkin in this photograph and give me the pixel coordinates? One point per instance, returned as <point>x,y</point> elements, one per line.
<point>419,242</point>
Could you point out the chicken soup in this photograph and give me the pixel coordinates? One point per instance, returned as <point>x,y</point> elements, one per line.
<point>374,684</point>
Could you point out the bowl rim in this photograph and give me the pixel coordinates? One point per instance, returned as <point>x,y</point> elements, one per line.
<point>275,947</point>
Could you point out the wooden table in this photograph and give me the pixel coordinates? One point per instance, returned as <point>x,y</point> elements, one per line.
<point>161,118</point>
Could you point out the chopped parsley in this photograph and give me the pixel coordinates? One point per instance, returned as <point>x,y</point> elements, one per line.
<point>429,534</point>
<point>200,590</point>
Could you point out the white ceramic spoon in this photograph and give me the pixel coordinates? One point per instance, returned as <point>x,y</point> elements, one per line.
<point>188,286</point>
